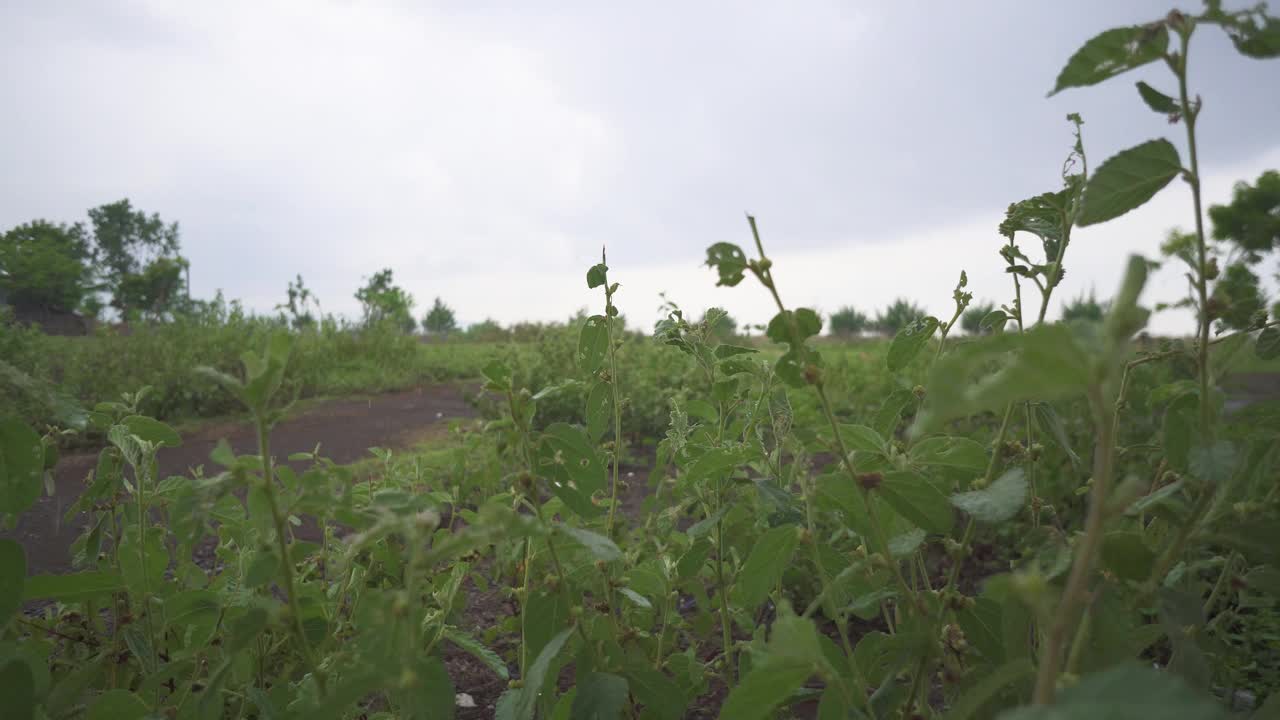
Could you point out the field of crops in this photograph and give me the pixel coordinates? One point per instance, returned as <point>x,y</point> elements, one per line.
<point>1035,521</point>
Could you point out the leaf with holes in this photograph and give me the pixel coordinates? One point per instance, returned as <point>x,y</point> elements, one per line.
<point>1111,53</point>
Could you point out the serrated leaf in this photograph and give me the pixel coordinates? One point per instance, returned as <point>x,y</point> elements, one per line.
<point>478,650</point>
<point>918,500</point>
<point>1050,423</point>
<point>1128,179</point>
<point>909,341</point>
<point>769,558</point>
<point>950,452</point>
<point>1111,53</point>
<point>1127,555</point>
<point>793,327</point>
<point>862,438</point>
<point>998,502</point>
<point>1255,35</point>
<point>972,701</point>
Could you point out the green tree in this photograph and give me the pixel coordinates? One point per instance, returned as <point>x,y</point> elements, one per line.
<point>848,322</point>
<point>971,320</point>
<point>45,265</point>
<point>1252,219</point>
<point>439,319</point>
<point>299,303</point>
<point>898,315</point>
<point>1237,299</point>
<point>381,300</point>
<point>138,259</point>
<point>1083,308</point>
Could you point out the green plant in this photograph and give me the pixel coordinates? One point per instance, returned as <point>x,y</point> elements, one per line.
<point>1009,526</point>
<point>848,322</point>
<point>971,319</point>
<point>439,319</point>
<point>45,265</point>
<point>381,300</point>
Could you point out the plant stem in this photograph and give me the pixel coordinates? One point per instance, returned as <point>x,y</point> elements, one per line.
<point>1076,592</point>
<point>1190,112</point>
<point>282,541</point>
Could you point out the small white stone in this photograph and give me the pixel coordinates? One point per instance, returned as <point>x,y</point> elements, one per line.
<point>464,700</point>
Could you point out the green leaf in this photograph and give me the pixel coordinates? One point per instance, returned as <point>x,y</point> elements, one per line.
<point>477,650</point>
<point>1181,420</point>
<point>950,452</point>
<point>661,697</point>
<point>1000,501</point>
<point>906,543</point>
<point>1128,179</point>
<point>1122,693</point>
<point>862,438</point>
<point>152,431</point>
<point>769,558</point>
<point>74,587</point>
<point>794,327</point>
<point>527,701</point>
<point>13,575</point>
<point>909,341</point>
<point>1112,53</point>
<point>568,458</point>
<point>601,696</point>
<point>1127,555</point>
<point>724,351</point>
<point>1255,35</point>
<point>728,260</point>
<point>593,344</point>
<point>597,275</point>
<point>600,546</point>
<point>1268,344</point>
<point>118,705</point>
<point>1049,423</point>
<point>1157,100</point>
<point>145,570</point>
<point>972,701</point>
<point>918,500</point>
<point>872,656</point>
<point>1043,363</point>
<point>599,410</point>
<point>764,689</point>
<point>21,466</point>
<point>890,412</point>
<point>1215,463</point>
<point>18,685</point>
<point>431,696</point>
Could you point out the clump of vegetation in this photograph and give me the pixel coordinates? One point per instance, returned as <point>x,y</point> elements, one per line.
<point>1039,524</point>
<point>898,315</point>
<point>848,322</point>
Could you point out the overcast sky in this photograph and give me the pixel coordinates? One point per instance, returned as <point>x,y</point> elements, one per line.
<point>486,150</point>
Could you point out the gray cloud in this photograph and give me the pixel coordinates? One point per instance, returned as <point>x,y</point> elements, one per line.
<point>461,142</point>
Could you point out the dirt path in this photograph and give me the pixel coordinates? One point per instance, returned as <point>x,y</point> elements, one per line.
<point>345,430</point>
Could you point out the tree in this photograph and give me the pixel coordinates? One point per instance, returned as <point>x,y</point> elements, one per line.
<point>848,322</point>
<point>137,258</point>
<point>439,319</point>
<point>47,266</point>
<point>971,320</point>
<point>1237,299</point>
<point>299,304</point>
<point>901,313</point>
<point>381,300</point>
<point>1086,309</point>
<point>1252,220</point>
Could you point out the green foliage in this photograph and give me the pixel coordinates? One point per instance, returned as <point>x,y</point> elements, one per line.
<point>138,259</point>
<point>1129,179</point>
<point>898,315</point>
<point>971,319</point>
<point>848,322</point>
<point>382,301</point>
<point>1084,308</point>
<point>889,532</point>
<point>439,320</point>
<point>45,265</point>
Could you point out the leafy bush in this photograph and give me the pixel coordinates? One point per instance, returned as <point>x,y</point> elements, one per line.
<point>898,315</point>
<point>848,322</point>
<point>971,319</point>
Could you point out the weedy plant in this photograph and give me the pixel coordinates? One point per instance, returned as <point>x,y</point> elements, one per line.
<point>845,563</point>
